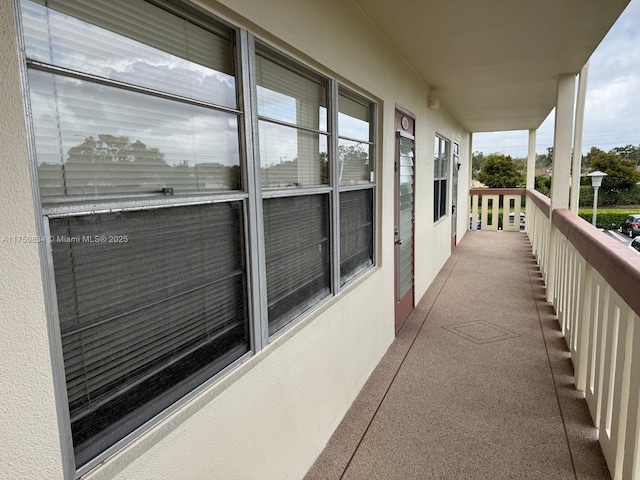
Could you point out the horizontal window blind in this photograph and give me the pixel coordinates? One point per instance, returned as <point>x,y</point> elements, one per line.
<point>146,301</point>
<point>296,231</point>
<point>134,42</point>
<point>94,139</point>
<point>290,96</point>
<point>354,117</point>
<point>356,232</point>
<point>290,157</point>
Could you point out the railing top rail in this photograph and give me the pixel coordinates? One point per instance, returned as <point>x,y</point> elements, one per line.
<point>542,201</point>
<point>619,266</point>
<point>497,191</point>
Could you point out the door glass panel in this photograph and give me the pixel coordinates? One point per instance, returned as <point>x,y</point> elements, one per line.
<point>405,217</point>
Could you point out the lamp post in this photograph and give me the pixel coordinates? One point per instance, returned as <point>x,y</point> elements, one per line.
<point>596,181</point>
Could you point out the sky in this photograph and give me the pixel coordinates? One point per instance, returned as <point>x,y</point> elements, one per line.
<point>612,105</point>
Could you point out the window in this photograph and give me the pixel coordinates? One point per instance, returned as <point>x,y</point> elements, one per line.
<point>293,138</point>
<point>440,174</point>
<point>133,103</point>
<point>355,179</point>
<point>110,140</point>
<point>151,190</point>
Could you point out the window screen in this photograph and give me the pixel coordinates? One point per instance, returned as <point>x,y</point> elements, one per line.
<point>356,232</point>
<point>296,232</point>
<point>148,302</point>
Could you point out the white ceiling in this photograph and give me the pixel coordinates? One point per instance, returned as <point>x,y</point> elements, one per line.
<point>494,63</point>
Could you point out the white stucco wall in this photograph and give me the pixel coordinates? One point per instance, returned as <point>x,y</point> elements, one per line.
<point>272,416</point>
<point>29,439</point>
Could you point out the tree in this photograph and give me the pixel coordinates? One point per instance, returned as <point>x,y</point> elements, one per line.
<point>499,171</point>
<point>630,152</point>
<point>521,165</point>
<point>543,184</point>
<point>544,162</point>
<point>621,172</point>
<point>477,159</point>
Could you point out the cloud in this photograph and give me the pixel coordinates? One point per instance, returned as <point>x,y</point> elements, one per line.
<point>612,106</point>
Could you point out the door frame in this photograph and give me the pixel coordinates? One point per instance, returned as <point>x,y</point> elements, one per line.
<point>404,127</point>
<point>455,171</point>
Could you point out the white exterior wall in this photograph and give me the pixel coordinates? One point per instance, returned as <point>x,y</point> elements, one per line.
<point>272,416</point>
<point>29,439</point>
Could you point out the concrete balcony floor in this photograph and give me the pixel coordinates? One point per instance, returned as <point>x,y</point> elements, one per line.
<point>477,385</point>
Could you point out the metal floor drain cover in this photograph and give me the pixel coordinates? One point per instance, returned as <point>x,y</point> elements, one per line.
<point>481,332</point>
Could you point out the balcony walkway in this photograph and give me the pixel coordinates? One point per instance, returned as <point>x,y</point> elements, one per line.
<point>477,385</point>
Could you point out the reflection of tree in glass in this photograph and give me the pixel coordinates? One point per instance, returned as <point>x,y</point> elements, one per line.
<point>354,164</point>
<point>353,167</point>
<point>111,149</point>
<point>114,164</point>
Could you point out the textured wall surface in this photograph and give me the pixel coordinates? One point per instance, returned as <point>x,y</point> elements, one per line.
<point>28,425</point>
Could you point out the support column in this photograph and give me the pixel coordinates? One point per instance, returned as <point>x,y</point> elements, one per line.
<point>576,168</point>
<point>563,135</point>
<point>531,160</point>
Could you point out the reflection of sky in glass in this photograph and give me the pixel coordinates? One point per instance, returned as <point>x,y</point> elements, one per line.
<point>81,46</point>
<point>353,128</point>
<point>289,96</point>
<point>292,157</point>
<point>280,106</point>
<point>276,105</point>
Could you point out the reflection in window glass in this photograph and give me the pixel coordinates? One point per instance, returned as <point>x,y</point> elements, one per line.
<point>290,96</point>
<point>353,162</point>
<point>290,157</point>
<point>179,57</point>
<point>92,139</point>
<point>354,117</point>
<point>354,123</point>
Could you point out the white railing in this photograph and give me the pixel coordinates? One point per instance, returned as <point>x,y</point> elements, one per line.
<point>509,200</point>
<point>594,284</point>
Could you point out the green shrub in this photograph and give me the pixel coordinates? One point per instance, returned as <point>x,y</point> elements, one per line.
<point>607,219</point>
<point>629,196</point>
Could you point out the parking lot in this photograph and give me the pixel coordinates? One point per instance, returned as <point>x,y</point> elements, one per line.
<point>624,239</point>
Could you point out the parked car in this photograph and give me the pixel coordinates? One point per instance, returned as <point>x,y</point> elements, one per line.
<point>631,226</point>
<point>522,219</point>
<point>635,244</point>
<point>479,227</point>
